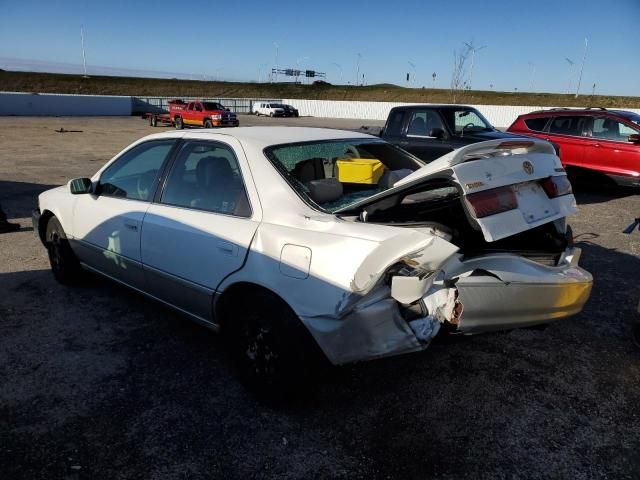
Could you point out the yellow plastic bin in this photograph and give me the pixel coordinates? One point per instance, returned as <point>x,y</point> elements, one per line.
<point>360,170</point>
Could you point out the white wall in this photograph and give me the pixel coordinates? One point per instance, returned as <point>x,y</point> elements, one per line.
<point>501,116</point>
<point>58,105</point>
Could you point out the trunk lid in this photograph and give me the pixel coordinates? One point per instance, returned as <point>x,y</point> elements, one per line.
<point>519,165</point>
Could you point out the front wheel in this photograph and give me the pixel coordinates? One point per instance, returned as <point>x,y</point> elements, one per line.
<point>271,114</point>
<point>208,124</point>
<point>64,264</point>
<point>179,124</point>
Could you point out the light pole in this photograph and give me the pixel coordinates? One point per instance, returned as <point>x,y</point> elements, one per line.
<point>84,58</point>
<point>358,70</point>
<point>298,65</point>
<point>533,74</point>
<point>413,66</point>
<point>340,67</point>
<point>571,63</point>
<point>434,75</point>
<point>584,57</point>
<point>473,56</point>
<point>276,61</point>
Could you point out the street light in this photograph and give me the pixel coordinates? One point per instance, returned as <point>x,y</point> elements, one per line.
<point>533,74</point>
<point>571,63</point>
<point>584,57</point>
<point>358,70</point>
<point>412,65</point>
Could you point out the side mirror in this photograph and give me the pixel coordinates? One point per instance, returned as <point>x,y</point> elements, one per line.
<point>634,138</point>
<point>437,133</point>
<point>79,186</point>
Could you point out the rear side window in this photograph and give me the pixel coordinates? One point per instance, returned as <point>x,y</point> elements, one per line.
<point>536,124</point>
<point>567,125</point>
<point>206,176</point>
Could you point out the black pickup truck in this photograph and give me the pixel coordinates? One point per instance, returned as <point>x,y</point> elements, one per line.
<point>430,131</point>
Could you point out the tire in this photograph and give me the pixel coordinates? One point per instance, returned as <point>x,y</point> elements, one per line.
<point>153,121</point>
<point>271,114</point>
<point>179,124</point>
<point>274,352</point>
<point>64,264</point>
<point>208,124</point>
<point>257,113</point>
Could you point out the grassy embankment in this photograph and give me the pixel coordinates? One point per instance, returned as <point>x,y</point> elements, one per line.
<point>59,83</point>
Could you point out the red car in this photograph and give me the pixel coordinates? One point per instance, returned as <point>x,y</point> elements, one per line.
<point>196,114</point>
<point>590,140</point>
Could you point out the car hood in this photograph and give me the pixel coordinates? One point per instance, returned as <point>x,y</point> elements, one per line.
<point>493,135</point>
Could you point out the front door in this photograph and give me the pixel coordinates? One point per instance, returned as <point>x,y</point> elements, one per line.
<point>609,150</point>
<point>106,225</point>
<point>418,139</point>
<point>201,227</point>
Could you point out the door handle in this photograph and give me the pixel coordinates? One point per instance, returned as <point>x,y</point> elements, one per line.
<point>131,225</point>
<point>227,248</point>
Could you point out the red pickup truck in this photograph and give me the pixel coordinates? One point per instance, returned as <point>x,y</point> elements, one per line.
<point>197,114</point>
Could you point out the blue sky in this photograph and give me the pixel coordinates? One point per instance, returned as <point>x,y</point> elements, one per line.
<point>234,39</point>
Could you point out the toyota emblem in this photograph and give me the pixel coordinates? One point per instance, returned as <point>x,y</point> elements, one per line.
<point>527,167</point>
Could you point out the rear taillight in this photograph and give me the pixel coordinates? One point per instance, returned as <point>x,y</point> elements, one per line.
<point>557,186</point>
<point>490,202</point>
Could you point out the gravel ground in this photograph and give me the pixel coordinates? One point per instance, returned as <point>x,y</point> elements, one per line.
<point>98,382</point>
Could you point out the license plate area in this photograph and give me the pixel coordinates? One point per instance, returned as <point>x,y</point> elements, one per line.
<point>533,202</point>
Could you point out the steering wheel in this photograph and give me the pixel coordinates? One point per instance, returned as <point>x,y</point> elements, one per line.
<point>145,183</point>
<point>468,125</point>
<point>352,151</point>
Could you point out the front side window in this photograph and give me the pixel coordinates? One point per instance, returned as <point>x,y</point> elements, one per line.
<point>213,106</point>
<point>135,174</point>
<point>206,176</point>
<point>198,107</point>
<point>610,129</point>
<point>422,122</point>
<point>337,173</point>
<point>568,125</point>
<point>464,120</point>
<point>536,124</point>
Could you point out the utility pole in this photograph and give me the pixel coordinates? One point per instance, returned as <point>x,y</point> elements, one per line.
<point>433,75</point>
<point>533,74</point>
<point>340,67</point>
<point>584,57</point>
<point>412,65</point>
<point>473,56</point>
<point>84,58</point>
<point>358,70</point>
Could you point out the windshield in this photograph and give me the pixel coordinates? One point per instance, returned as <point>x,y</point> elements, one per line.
<point>463,120</point>
<point>337,173</point>
<point>213,106</point>
<point>633,117</point>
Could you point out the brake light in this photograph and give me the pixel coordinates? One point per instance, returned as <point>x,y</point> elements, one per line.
<point>557,186</point>
<point>490,202</point>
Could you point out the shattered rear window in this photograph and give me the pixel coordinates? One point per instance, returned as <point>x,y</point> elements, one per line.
<point>337,173</point>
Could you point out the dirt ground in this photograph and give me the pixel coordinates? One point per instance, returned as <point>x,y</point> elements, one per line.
<point>98,382</point>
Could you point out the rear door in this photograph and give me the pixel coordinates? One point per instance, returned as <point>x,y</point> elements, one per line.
<point>569,132</point>
<point>201,225</point>
<point>608,149</point>
<point>417,138</point>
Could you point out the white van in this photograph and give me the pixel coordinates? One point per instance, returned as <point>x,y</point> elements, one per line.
<point>271,109</point>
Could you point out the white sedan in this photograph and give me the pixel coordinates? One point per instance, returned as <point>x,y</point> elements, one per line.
<point>305,241</point>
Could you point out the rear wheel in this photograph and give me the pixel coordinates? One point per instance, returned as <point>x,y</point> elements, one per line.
<point>179,124</point>
<point>273,350</point>
<point>153,121</point>
<point>271,114</point>
<point>64,264</point>
<point>208,124</point>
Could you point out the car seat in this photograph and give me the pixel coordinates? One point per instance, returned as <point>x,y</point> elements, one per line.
<point>417,127</point>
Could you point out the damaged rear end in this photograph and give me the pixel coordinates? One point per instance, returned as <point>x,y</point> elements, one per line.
<point>482,245</point>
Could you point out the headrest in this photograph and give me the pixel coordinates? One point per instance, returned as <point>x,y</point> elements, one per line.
<point>324,190</point>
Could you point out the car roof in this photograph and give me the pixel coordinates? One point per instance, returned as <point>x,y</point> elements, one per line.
<point>582,111</point>
<point>443,106</point>
<point>262,137</point>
